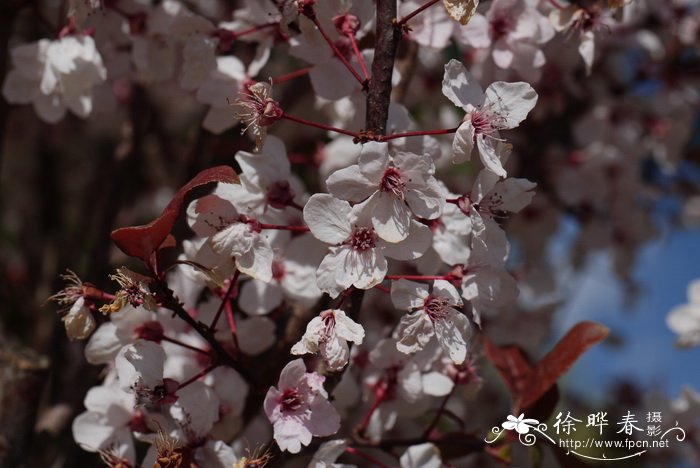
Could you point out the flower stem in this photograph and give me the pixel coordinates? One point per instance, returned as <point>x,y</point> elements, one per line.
<point>296,119</point>
<point>291,76</point>
<point>440,410</point>
<point>254,29</point>
<point>556,4</point>
<point>337,52</point>
<point>419,277</point>
<point>358,54</point>
<point>285,228</point>
<point>378,399</point>
<point>198,376</point>
<point>227,296</point>
<point>442,131</point>
<point>366,456</point>
<point>232,324</point>
<point>184,345</point>
<point>415,12</point>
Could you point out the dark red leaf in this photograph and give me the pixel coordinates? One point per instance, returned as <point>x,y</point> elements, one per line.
<point>142,241</point>
<point>559,360</point>
<point>511,364</point>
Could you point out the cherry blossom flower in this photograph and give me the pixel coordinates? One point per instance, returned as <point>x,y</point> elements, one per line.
<point>55,76</point>
<point>267,179</point>
<point>293,277</point>
<point>232,234</point>
<point>258,110</point>
<point>685,319</point>
<point>358,256</point>
<point>220,88</point>
<point>515,32</point>
<point>502,106</point>
<point>109,420</point>
<point>434,313</point>
<point>139,367</point>
<point>328,334</point>
<point>298,408</point>
<point>393,191</point>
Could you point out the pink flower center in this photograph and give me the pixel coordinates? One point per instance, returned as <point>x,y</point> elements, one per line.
<point>328,318</point>
<point>291,400</point>
<point>279,195</point>
<point>151,331</point>
<point>501,25</point>
<point>481,123</point>
<point>363,239</point>
<point>436,307</point>
<point>278,270</point>
<point>392,182</point>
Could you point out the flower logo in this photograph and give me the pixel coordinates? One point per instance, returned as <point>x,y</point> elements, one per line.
<point>520,424</point>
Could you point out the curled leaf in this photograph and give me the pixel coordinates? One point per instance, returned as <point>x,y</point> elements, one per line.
<point>142,241</point>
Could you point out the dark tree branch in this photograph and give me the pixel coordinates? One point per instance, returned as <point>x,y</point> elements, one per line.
<point>387,42</point>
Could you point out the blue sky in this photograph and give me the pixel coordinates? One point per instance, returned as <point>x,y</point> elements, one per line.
<point>646,354</point>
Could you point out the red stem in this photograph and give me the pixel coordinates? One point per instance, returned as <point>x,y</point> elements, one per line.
<point>556,5</point>
<point>366,456</point>
<point>254,29</point>
<point>361,60</point>
<point>225,299</point>
<point>435,420</point>
<point>378,399</point>
<point>419,277</point>
<point>383,289</point>
<point>337,53</point>
<point>291,76</point>
<point>415,12</point>
<point>285,228</point>
<point>296,119</point>
<point>442,131</point>
<point>184,345</point>
<point>198,376</point>
<point>232,324</point>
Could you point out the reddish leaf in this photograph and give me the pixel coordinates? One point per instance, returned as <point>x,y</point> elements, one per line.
<point>511,364</point>
<point>559,360</point>
<point>142,241</point>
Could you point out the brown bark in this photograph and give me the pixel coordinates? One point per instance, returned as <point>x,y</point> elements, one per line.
<point>22,378</point>
<point>379,94</point>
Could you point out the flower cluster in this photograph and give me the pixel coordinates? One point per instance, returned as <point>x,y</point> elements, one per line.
<point>337,283</point>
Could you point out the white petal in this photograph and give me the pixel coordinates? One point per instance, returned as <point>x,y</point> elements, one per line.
<point>373,160</point>
<point>328,218</point>
<point>463,143</point>
<point>255,335</point>
<point>140,364</point>
<point>510,101</point>
<point>347,329</point>
<point>391,217</point>
<point>451,334</point>
<point>350,184</point>
<point>335,274</point>
<point>421,456</point>
<point>259,298</point>
<point>460,87</point>
<point>196,409</point>
<point>489,155</point>
<point>408,295</point>
<point>413,332</point>
<point>417,242</point>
